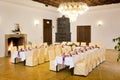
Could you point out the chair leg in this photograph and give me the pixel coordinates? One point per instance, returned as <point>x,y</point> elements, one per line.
<point>117,59</point>
<point>72,71</point>
<point>57,68</point>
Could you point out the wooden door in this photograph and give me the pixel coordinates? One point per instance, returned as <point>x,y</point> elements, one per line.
<point>47,31</point>
<point>84,34</point>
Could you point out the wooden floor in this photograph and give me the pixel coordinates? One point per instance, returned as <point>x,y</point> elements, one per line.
<point>108,70</point>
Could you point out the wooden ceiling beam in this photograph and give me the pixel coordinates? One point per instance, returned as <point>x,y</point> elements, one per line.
<point>56,3</point>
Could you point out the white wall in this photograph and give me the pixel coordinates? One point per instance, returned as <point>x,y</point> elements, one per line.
<point>13,12</point>
<point>109,15</point>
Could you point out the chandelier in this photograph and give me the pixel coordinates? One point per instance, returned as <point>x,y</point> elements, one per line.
<point>72,9</point>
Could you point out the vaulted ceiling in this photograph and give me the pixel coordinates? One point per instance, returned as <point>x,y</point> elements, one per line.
<point>56,3</point>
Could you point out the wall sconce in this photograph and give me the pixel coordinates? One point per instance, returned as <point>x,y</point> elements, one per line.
<point>99,23</point>
<point>36,22</point>
<point>48,22</point>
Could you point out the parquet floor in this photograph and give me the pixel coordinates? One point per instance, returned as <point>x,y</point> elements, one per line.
<point>108,70</point>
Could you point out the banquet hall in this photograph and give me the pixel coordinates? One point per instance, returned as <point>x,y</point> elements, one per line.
<point>59,39</point>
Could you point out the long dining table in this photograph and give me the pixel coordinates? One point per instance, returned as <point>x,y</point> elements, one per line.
<point>72,58</point>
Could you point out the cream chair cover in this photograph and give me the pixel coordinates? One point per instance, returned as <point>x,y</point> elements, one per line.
<point>102,55</point>
<point>83,44</point>
<point>34,45</point>
<point>46,56</point>
<point>94,60</point>
<point>66,49</point>
<point>45,44</point>
<point>21,48</point>
<point>73,47</point>
<point>39,45</point>
<point>64,43</point>
<point>41,55</point>
<point>90,61</point>
<point>32,57</point>
<point>102,50</point>
<point>58,50</point>
<point>51,53</point>
<point>13,49</point>
<point>28,46</point>
<point>82,67</point>
<point>77,43</point>
<point>52,56</point>
<point>91,44</point>
<point>99,44</point>
<point>69,43</point>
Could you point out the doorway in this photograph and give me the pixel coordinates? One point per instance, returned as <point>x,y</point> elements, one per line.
<point>84,33</point>
<point>47,31</point>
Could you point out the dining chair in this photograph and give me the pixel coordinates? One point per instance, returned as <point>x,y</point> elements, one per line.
<point>13,49</point>
<point>32,57</point>
<point>28,47</point>
<point>21,47</point>
<point>46,56</point>
<point>83,43</point>
<point>77,43</point>
<point>82,67</point>
<point>41,55</point>
<point>58,50</point>
<point>34,45</point>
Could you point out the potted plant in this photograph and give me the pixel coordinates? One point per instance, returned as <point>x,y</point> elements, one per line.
<point>117,47</point>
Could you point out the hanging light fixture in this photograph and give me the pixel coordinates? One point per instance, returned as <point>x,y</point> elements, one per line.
<point>72,9</point>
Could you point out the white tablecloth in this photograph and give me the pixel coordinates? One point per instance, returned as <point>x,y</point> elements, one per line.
<point>72,60</point>
<point>69,60</point>
<point>22,55</point>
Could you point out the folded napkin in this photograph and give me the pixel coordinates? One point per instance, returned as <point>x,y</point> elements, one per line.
<point>64,56</point>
